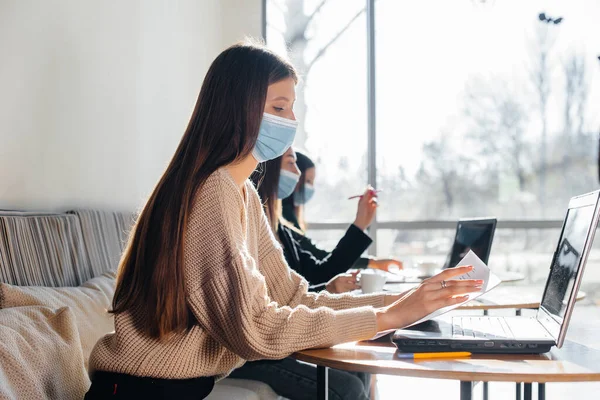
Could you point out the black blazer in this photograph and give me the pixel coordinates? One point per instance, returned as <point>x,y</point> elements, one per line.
<point>318,266</point>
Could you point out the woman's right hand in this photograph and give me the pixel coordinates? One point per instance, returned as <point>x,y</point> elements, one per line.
<point>428,297</point>
<point>367,207</point>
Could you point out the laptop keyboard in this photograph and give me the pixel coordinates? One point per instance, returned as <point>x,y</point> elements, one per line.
<point>485,328</point>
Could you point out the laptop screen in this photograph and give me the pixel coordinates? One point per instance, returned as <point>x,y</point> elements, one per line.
<point>476,235</point>
<point>566,261</point>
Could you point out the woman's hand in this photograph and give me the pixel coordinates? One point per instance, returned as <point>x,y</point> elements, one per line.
<point>367,207</point>
<point>342,283</point>
<point>389,264</point>
<point>431,295</point>
<point>390,299</point>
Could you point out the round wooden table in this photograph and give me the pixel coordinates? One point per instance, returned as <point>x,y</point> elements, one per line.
<point>517,297</point>
<point>573,363</point>
<point>501,297</point>
<point>505,277</point>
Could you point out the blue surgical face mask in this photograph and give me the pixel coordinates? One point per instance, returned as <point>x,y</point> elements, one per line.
<point>301,199</point>
<point>287,183</point>
<point>275,136</point>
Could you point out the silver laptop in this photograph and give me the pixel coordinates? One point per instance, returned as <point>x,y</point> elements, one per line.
<point>521,334</point>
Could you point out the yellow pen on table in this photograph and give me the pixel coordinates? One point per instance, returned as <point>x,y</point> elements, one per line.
<point>449,354</point>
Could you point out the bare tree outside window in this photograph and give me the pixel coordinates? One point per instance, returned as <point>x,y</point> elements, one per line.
<point>541,82</point>
<point>483,109</point>
<point>498,121</point>
<point>508,83</point>
<point>299,23</point>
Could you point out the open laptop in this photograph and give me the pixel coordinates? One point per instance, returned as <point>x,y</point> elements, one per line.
<point>521,334</point>
<point>472,234</point>
<point>475,234</point>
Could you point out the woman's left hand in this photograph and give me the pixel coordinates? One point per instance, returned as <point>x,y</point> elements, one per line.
<point>386,264</point>
<point>342,283</point>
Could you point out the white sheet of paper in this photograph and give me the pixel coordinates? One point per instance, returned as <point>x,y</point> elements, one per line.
<point>480,271</point>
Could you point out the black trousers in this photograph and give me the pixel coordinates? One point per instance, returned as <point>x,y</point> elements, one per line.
<point>107,385</point>
<point>297,380</point>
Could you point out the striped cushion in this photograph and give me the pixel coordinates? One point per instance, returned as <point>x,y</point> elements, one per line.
<point>42,250</point>
<point>105,235</point>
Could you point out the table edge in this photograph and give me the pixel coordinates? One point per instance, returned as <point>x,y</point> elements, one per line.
<point>450,375</point>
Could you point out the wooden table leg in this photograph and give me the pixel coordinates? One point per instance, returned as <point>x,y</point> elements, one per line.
<point>527,391</point>
<point>541,391</point>
<point>466,390</point>
<point>322,383</point>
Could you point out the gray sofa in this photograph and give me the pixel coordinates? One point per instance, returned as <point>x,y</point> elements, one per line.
<point>57,250</point>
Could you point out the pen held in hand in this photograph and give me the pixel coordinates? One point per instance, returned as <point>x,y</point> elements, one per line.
<point>360,195</point>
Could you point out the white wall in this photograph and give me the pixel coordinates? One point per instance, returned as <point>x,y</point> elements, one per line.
<point>95,95</point>
<point>240,18</point>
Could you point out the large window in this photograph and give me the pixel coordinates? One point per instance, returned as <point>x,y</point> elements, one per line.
<point>483,108</point>
<point>486,107</point>
<point>327,43</point>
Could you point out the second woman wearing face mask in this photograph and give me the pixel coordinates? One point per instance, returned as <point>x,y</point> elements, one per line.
<point>292,206</point>
<point>277,179</point>
<point>293,211</point>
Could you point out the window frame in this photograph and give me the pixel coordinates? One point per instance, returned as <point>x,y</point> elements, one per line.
<point>372,153</point>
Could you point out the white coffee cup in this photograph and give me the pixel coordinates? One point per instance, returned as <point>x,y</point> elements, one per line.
<point>371,281</point>
<point>427,268</point>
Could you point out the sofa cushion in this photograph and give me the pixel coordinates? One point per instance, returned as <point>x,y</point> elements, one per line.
<point>41,249</point>
<point>40,353</point>
<point>104,235</point>
<point>88,302</point>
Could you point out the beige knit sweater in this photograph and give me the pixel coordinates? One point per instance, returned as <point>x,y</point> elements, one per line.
<point>248,304</point>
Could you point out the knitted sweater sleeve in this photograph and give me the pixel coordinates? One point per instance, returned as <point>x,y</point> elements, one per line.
<point>227,293</point>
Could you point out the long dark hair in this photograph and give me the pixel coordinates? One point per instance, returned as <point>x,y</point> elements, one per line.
<point>266,180</point>
<point>223,128</point>
<point>304,163</point>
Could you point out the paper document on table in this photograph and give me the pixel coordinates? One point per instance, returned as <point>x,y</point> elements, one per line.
<point>480,271</point>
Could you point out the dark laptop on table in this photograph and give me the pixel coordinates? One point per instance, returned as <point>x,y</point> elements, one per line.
<point>521,334</point>
<point>471,234</point>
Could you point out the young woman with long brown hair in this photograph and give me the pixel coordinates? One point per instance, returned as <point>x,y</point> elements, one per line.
<point>203,286</point>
